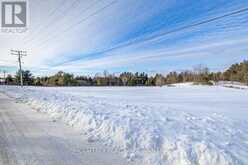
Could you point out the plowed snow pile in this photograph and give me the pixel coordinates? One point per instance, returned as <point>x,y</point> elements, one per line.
<point>180,125</point>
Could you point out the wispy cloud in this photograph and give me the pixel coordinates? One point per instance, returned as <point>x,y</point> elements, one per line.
<point>129,35</point>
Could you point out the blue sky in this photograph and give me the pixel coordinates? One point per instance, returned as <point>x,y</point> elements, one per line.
<point>87,37</point>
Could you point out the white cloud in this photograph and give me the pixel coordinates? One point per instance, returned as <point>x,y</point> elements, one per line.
<point>48,45</point>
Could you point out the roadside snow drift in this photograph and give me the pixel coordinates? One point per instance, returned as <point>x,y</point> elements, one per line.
<point>183,125</point>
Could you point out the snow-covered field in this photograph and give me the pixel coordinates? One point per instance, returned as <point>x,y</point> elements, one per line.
<point>179,125</point>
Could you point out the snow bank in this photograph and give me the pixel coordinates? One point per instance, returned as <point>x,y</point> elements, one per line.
<point>187,84</point>
<point>158,135</point>
<point>232,84</point>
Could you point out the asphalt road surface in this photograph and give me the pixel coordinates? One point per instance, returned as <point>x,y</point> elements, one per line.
<point>28,137</point>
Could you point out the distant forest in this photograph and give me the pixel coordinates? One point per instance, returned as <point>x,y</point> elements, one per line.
<point>199,75</point>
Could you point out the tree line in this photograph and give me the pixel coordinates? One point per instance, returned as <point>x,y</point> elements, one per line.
<point>199,75</point>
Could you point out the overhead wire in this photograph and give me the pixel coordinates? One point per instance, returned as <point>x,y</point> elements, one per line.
<point>69,28</point>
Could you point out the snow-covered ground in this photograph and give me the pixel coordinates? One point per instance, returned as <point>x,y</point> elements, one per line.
<point>232,84</point>
<point>183,125</point>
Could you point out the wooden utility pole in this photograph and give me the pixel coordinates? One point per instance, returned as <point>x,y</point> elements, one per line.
<point>4,76</point>
<point>20,54</point>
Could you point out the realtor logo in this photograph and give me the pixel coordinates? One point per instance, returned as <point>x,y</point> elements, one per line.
<point>14,14</point>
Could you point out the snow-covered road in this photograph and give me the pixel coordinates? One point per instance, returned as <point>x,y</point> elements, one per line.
<point>31,138</point>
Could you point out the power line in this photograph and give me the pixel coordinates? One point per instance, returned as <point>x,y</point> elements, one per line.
<point>65,16</point>
<point>135,41</point>
<point>6,61</point>
<point>154,36</point>
<point>54,19</point>
<point>78,23</point>
<point>19,54</point>
<point>52,13</point>
<point>205,21</point>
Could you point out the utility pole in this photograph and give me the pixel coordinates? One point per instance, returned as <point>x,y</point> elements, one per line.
<point>4,76</point>
<point>1,78</point>
<point>20,54</point>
